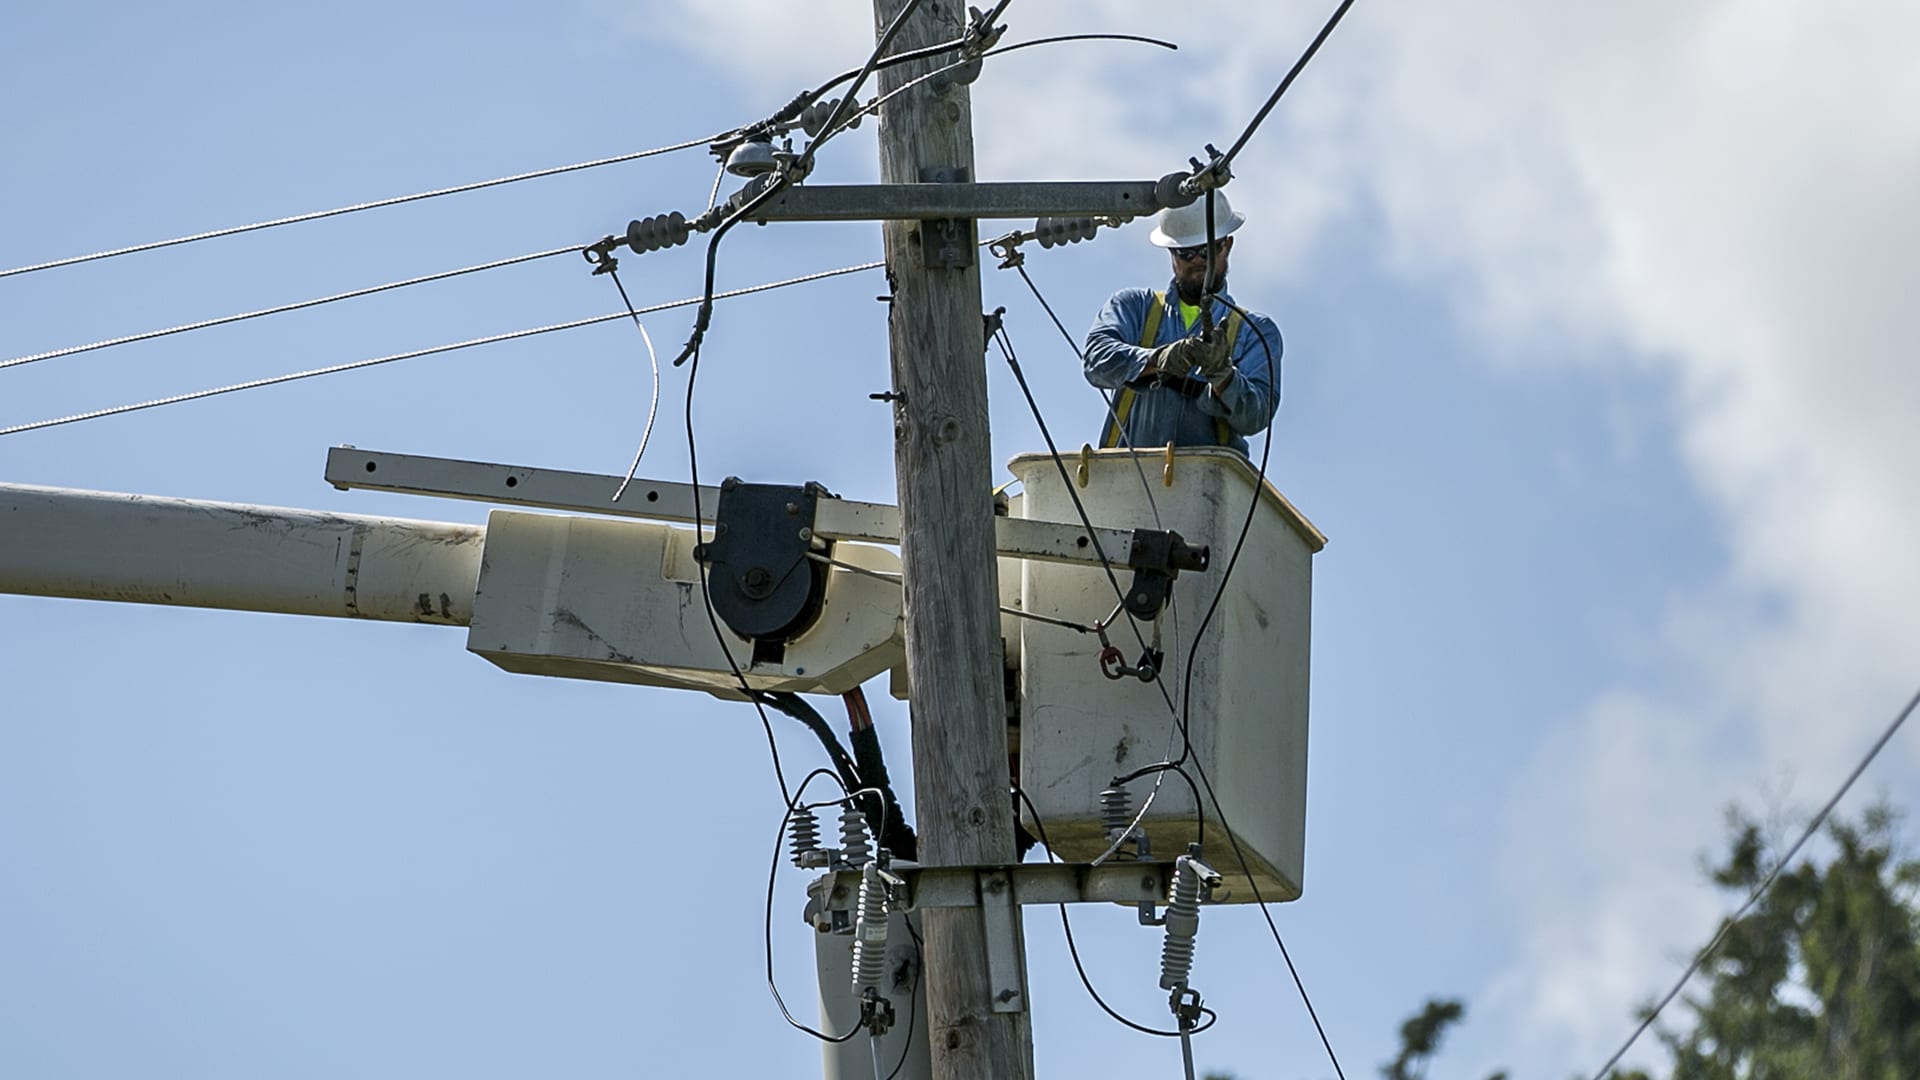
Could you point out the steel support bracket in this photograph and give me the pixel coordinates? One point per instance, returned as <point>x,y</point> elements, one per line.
<point>947,243</point>
<point>1127,883</point>
<point>1006,952</point>
<point>933,199</point>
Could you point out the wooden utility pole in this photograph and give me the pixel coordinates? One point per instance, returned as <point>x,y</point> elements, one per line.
<point>945,478</point>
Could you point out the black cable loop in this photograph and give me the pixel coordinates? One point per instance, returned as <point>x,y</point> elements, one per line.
<point>779,182</point>
<point>357,207</point>
<point>691,352</point>
<point>1073,950</point>
<point>149,335</point>
<point>773,871</point>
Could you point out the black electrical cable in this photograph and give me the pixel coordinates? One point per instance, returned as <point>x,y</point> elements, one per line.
<point>1239,544</point>
<point>356,207</point>
<point>150,335</point>
<point>1073,950</point>
<point>1119,431</point>
<point>1728,923</point>
<point>873,107</point>
<point>795,706</point>
<point>1286,82</point>
<point>773,870</point>
<point>774,184</point>
<point>1004,342</point>
<point>1247,869</point>
<point>1162,767</point>
<point>691,352</point>
<point>913,998</point>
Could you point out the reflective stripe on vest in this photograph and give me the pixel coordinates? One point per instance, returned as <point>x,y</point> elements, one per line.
<point>1123,402</point>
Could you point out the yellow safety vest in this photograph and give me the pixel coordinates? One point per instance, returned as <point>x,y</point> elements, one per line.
<point>1123,404</point>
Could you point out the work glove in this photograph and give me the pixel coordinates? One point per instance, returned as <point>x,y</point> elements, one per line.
<point>1210,358</point>
<point>1174,361</point>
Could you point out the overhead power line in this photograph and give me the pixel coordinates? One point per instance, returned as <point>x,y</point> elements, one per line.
<point>357,207</point>
<point>1278,91</point>
<point>149,335</point>
<point>1728,923</point>
<point>337,368</point>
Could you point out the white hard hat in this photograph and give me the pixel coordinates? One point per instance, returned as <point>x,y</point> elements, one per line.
<point>1186,226</point>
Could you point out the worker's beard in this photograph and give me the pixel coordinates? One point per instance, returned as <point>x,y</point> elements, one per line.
<point>1190,291</point>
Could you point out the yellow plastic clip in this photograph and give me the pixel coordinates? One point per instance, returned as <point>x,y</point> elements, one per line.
<point>1166,471</point>
<point>1085,470</point>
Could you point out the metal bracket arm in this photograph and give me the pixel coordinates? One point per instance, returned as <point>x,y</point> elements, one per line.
<point>930,202</point>
<point>591,493</point>
<point>1032,883</point>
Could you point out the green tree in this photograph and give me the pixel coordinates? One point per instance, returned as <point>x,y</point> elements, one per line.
<point>1420,1037</point>
<point>1819,979</point>
<point>1822,977</point>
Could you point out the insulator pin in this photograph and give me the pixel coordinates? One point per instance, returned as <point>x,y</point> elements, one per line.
<point>870,932</point>
<point>856,845</point>
<point>659,231</point>
<point>1060,231</point>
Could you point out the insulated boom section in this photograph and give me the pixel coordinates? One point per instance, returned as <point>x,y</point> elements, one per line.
<point>93,545</point>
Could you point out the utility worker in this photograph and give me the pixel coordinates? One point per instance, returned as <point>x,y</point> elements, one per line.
<point>1177,383</point>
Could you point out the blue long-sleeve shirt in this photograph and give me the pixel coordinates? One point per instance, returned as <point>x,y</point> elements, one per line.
<point>1161,414</point>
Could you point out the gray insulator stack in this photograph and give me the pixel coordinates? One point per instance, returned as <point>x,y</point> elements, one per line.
<point>803,838</point>
<point>1116,812</point>
<point>870,932</point>
<point>1060,231</point>
<point>1183,922</point>
<point>659,231</point>
<point>856,847</point>
<point>814,117</point>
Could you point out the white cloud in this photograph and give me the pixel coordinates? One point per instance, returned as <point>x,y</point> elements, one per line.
<point>1720,191</point>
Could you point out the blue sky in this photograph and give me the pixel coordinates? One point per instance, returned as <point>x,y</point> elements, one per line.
<point>1596,378</point>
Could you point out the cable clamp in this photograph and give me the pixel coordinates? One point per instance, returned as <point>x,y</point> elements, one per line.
<point>600,254</point>
<point>876,1013</point>
<point>1008,249</point>
<point>1204,178</point>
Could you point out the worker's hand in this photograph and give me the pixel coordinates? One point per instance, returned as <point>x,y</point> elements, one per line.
<point>1210,358</point>
<point>1174,361</point>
